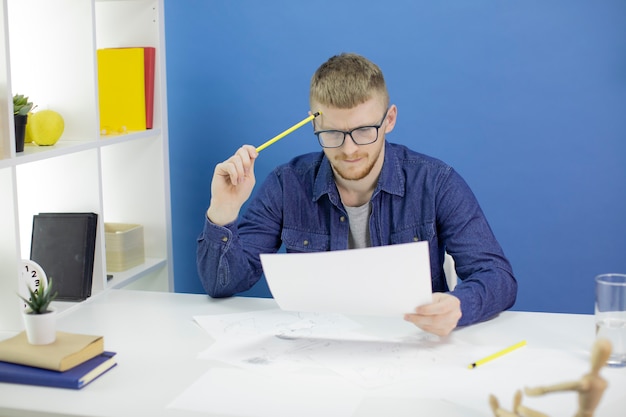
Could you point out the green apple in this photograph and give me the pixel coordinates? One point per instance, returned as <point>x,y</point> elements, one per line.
<point>46,127</point>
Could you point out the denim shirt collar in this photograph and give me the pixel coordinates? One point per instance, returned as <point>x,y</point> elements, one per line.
<point>390,179</point>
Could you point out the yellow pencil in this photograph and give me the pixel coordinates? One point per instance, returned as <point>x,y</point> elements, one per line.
<point>497,354</point>
<point>288,131</point>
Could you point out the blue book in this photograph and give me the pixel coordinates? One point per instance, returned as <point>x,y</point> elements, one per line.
<point>75,378</point>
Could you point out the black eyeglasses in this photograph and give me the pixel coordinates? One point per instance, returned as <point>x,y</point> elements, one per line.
<point>363,135</point>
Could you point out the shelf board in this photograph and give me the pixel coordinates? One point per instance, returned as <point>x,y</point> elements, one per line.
<point>126,137</point>
<point>121,279</point>
<point>33,152</point>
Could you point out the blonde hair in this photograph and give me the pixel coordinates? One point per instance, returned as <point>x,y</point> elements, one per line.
<point>347,80</point>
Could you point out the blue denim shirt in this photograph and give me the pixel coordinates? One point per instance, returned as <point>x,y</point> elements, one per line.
<point>417,198</point>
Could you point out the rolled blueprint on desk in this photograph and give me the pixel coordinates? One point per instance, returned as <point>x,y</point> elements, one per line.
<point>377,281</point>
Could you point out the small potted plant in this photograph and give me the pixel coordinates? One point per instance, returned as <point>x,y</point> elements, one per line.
<point>39,317</point>
<point>21,108</point>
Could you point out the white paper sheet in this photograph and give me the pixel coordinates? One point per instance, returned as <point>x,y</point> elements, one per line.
<point>274,322</point>
<point>379,281</point>
<point>245,394</point>
<point>272,341</point>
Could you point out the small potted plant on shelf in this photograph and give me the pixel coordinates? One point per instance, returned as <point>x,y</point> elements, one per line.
<point>21,108</point>
<point>39,317</point>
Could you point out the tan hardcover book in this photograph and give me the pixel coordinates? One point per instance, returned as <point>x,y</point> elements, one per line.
<point>67,351</point>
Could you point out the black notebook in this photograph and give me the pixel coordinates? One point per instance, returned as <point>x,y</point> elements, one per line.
<point>64,245</point>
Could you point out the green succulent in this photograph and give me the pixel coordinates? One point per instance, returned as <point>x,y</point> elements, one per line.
<point>40,298</point>
<point>21,105</point>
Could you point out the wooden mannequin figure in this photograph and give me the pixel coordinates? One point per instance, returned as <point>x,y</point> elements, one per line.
<point>518,409</point>
<point>590,387</point>
<point>497,411</point>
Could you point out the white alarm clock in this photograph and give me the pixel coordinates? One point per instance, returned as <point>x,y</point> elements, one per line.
<point>31,275</point>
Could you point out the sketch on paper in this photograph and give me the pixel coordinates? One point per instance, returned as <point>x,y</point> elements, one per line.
<point>271,340</point>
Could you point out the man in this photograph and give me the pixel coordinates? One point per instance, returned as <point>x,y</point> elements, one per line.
<point>360,191</point>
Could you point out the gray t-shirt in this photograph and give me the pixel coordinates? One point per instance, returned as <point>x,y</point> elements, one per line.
<point>359,226</point>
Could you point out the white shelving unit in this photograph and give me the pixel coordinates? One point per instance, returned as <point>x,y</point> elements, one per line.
<point>48,52</point>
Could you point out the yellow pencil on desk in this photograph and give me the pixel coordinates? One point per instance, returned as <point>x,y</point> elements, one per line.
<point>497,354</point>
<point>288,131</point>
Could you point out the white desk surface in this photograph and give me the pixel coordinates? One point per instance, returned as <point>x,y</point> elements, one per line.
<point>157,344</point>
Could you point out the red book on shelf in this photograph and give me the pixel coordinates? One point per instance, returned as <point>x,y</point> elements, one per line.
<point>149,62</point>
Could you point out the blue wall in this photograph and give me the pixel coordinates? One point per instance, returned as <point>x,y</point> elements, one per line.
<point>526,99</point>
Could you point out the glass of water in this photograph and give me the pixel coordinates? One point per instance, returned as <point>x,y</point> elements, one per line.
<point>610,314</point>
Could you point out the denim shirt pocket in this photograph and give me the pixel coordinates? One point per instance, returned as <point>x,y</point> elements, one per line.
<point>414,233</point>
<point>302,241</point>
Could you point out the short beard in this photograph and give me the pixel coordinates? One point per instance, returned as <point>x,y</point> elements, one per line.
<point>358,175</point>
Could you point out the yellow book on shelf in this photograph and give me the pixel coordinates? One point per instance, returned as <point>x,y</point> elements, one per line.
<point>121,90</point>
<point>66,352</point>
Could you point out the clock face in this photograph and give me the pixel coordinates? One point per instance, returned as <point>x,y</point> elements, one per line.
<point>32,276</point>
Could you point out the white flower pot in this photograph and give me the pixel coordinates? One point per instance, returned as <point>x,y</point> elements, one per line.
<point>41,329</point>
